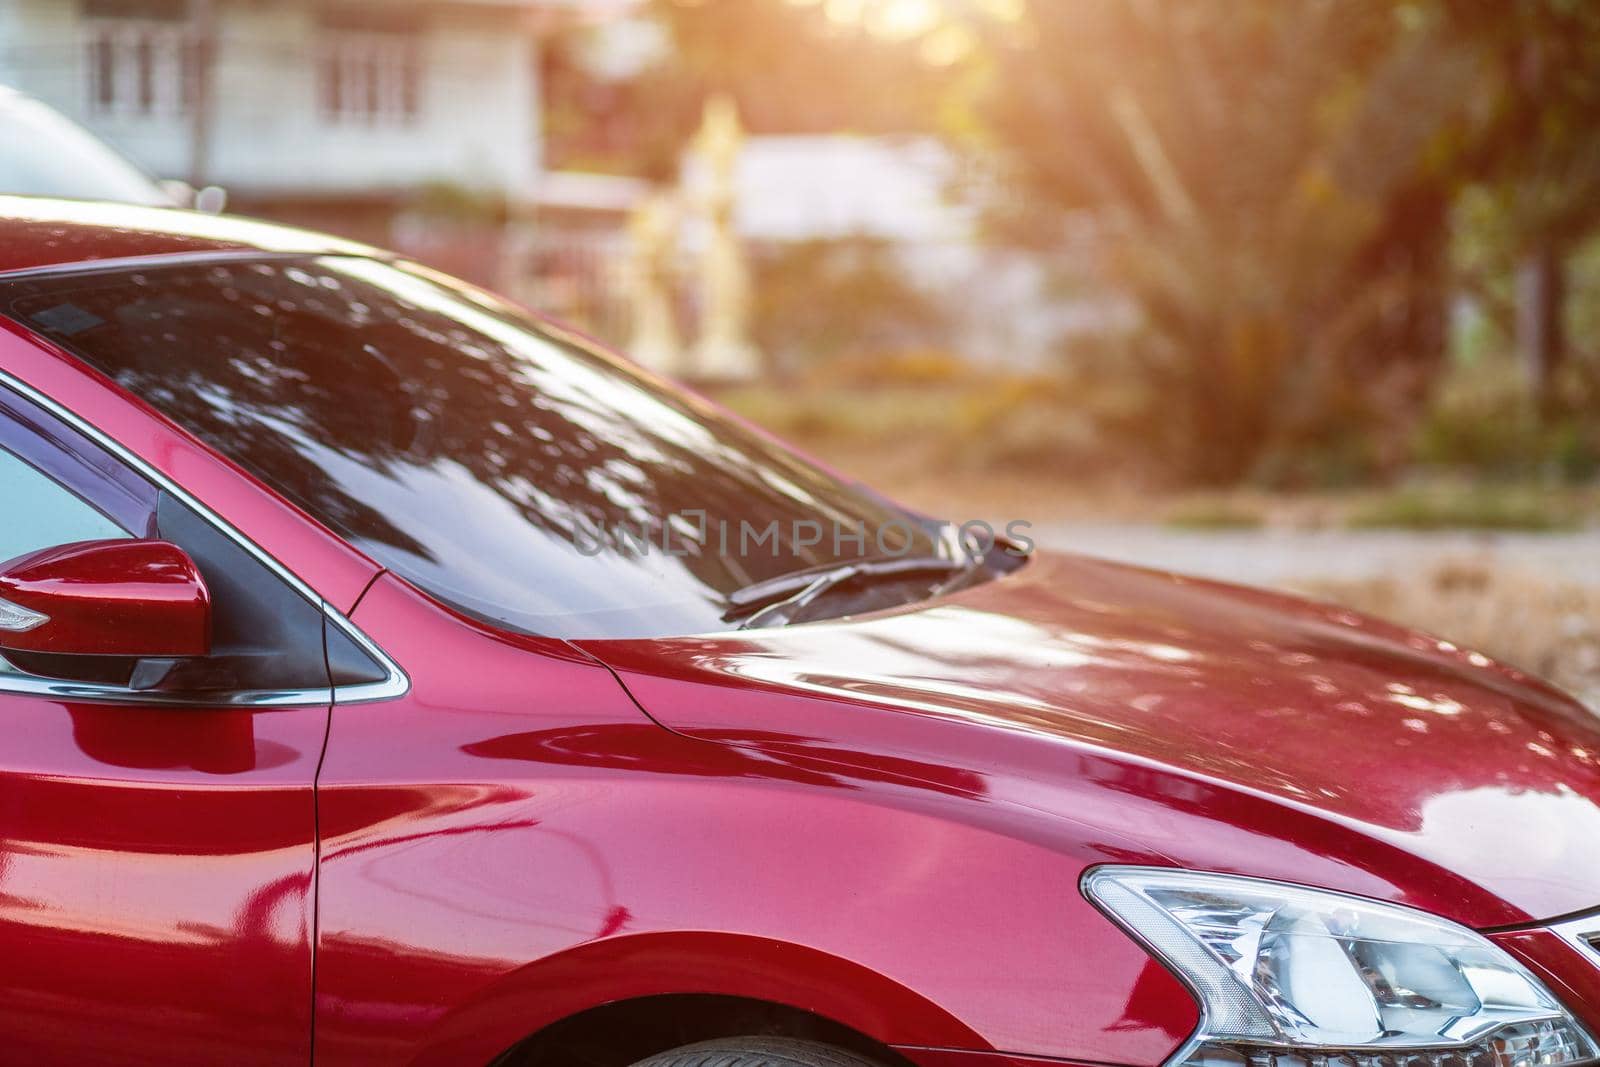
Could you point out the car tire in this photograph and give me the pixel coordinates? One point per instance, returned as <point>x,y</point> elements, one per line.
<point>756,1052</point>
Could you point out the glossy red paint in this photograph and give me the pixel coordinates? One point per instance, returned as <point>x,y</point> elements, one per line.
<point>156,868</point>
<point>110,598</point>
<point>575,853</point>
<point>881,821</point>
<point>46,233</point>
<point>1568,975</point>
<point>1200,713</point>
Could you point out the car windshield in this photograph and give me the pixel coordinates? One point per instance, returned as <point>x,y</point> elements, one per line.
<point>507,468</point>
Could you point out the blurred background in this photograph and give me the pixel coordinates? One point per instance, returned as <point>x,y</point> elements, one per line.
<point>1301,293</point>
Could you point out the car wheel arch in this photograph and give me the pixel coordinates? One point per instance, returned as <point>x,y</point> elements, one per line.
<point>628,1031</point>
<point>738,979</point>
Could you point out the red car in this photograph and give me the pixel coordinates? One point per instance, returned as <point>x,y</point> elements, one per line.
<point>391,677</point>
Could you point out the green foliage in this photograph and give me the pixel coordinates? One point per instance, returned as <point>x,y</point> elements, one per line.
<point>1474,508</point>
<point>1214,514</point>
<point>1003,424</point>
<point>1583,311</point>
<point>457,203</point>
<point>842,303</point>
<point>1484,423</point>
<point>984,425</point>
<point>1538,147</point>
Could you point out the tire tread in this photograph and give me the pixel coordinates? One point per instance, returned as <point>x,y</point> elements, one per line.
<point>756,1052</point>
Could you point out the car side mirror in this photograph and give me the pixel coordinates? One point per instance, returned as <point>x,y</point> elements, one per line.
<point>105,598</point>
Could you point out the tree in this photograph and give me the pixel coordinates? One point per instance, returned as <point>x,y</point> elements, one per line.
<point>1270,181</point>
<point>1537,156</point>
<point>790,68</point>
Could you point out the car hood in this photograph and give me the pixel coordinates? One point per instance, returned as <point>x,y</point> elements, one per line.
<point>1227,728</point>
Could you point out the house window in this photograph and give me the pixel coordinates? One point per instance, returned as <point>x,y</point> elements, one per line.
<point>138,66</point>
<point>369,76</point>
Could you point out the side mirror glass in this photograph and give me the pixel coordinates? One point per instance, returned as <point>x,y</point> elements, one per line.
<point>105,598</point>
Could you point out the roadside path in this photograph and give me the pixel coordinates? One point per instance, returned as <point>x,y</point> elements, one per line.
<point>1277,557</point>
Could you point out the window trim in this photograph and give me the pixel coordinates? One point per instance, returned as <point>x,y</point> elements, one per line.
<point>395,685</point>
<point>67,458</point>
<point>203,257</point>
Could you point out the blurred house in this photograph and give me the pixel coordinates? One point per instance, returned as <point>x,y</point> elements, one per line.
<point>352,116</point>
<point>905,195</point>
<point>911,195</point>
<point>809,187</point>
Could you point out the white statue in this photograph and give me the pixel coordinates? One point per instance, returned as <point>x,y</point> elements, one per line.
<point>723,351</point>
<point>653,241</point>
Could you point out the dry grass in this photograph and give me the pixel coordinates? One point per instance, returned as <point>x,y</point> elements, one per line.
<point>1546,628</point>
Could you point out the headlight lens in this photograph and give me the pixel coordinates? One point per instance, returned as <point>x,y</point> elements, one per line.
<point>1294,977</point>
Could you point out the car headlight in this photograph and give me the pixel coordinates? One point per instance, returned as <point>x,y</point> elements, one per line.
<point>1295,977</point>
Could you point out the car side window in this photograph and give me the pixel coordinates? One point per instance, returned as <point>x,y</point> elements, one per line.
<point>55,489</point>
<point>268,641</point>
<point>41,513</point>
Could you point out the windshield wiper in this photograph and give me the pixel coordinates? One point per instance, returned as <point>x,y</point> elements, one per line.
<point>777,600</point>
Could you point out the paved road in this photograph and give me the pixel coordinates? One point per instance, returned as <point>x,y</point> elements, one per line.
<point>1273,557</point>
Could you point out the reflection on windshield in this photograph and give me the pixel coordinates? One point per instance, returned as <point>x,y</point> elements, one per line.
<point>458,442</point>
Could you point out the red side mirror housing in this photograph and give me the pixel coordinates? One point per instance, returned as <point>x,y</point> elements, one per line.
<point>106,598</point>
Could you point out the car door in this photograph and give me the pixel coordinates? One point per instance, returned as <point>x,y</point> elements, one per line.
<point>157,849</point>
